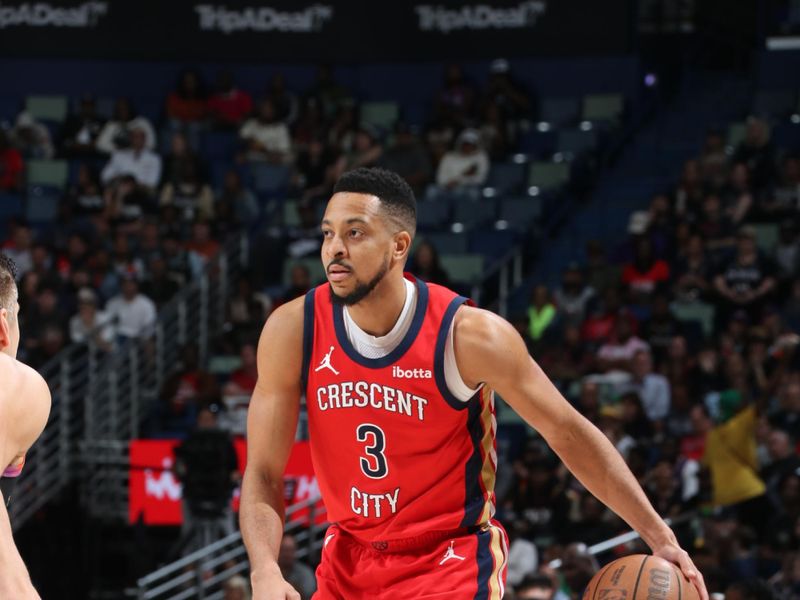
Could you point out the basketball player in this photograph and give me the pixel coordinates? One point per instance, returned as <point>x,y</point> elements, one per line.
<point>24,408</point>
<point>399,377</point>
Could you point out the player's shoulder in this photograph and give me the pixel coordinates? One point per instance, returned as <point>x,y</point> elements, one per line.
<point>289,314</point>
<point>475,323</point>
<point>23,386</point>
<point>284,326</point>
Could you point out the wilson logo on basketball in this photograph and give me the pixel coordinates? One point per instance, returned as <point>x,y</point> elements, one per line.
<point>400,373</point>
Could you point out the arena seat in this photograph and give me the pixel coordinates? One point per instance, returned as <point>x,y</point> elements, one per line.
<point>463,268</point>
<point>774,103</point>
<point>576,141</point>
<point>312,263</point>
<point>520,212</point>
<point>48,172</point>
<point>560,111</point>
<point>602,107</point>
<point>432,214</point>
<point>47,108</point>
<point>380,114</point>
<point>506,177</point>
<point>474,212</point>
<point>448,243</point>
<point>42,203</point>
<point>547,175</point>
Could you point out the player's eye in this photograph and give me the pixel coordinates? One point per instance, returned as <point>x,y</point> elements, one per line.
<point>327,233</point>
<point>356,233</point>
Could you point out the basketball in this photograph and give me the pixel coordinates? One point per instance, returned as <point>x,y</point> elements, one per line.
<point>640,577</point>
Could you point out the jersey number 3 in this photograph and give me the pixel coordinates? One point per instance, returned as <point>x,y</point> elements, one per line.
<point>374,464</point>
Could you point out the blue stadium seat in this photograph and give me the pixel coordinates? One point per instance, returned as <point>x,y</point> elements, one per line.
<point>448,243</point>
<point>219,145</point>
<point>432,214</point>
<point>474,212</point>
<point>774,103</point>
<point>42,204</point>
<point>576,141</point>
<point>561,111</point>
<point>269,181</point>
<point>506,178</point>
<point>10,205</point>
<point>520,213</point>
<point>538,143</point>
<point>491,243</point>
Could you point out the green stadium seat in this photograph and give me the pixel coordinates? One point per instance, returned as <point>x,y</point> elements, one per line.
<point>463,268</point>
<point>547,175</point>
<point>602,107</point>
<point>380,114</point>
<point>736,134</point>
<point>695,311</point>
<point>47,108</point>
<point>766,236</point>
<point>48,172</point>
<point>290,216</point>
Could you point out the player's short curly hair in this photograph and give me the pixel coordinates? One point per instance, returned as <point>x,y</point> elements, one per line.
<point>8,285</point>
<point>396,196</point>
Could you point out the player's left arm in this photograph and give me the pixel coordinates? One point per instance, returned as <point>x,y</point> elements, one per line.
<point>489,350</point>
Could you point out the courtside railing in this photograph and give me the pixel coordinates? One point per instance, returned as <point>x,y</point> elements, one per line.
<point>100,399</point>
<point>202,574</point>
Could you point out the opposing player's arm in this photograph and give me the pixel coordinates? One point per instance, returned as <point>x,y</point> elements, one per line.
<point>271,425</point>
<point>24,409</point>
<point>489,350</point>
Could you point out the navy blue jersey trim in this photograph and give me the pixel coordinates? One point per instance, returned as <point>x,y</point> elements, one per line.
<point>485,563</point>
<point>308,335</point>
<point>380,363</point>
<point>474,498</point>
<point>438,356</point>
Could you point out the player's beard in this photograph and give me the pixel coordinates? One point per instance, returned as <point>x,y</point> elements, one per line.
<point>362,290</point>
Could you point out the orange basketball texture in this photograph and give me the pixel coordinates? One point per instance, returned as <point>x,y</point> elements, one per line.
<point>640,577</point>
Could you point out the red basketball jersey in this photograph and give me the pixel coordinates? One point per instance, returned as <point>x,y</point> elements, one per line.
<point>395,453</point>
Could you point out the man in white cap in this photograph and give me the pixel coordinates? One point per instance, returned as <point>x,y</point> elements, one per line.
<point>465,166</point>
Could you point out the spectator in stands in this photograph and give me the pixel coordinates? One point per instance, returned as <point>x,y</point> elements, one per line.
<point>133,313</point>
<point>12,166</point>
<point>495,132</point>
<point>283,99</point>
<point>180,158</point>
<point>646,272</point>
<point>408,157</point>
<point>84,198</point>
<point>523,558</point>
<point>299,283</point>
<point>784,198</point>
<point>737,196</point>
<point>143,164</point>
<point>80,130</point>
<point>535,587</point>
<point>125,261</point>
<point>247,310</point>
<point>692,272</point>
<point>310,123</point>
<point>236,588</point>
<point>465,167</point>
<point>229,105</point>
<point>456,99</point>
<point>190,382</point>
<point>187,103</point>
<point>243,380</point>
<point>661,328</point>
<point>787,415</point>
<point>296,573</point>
<point>542,314</point>
<point>511,99</point>
<point>189,194</point>
<point>611,421</point>
<point>568,361</point>
<point>783,460</point>
<point>652,388</point>
<point>18,247</point>
<point>365,152</point>
<point>600,273</point>
<point>757,152</point>
<point>748,279</point>
<point>689,193</point>
<point>713,161</point>
<point>619,351</point>
<point>315,170</point>
<point>202,247</point>
<point>207,466</point>
<point>329,95</point>
<point>44,315</point>
<point>426,264</point>
<point>787,251</point>
<point>31,138</point>
<point>266,137</point>
<point>715,226</point>
<point>578,567</point>
<point>51,341</point>
<point>159,286</point>
<point>116,132</point>
<point>91,324</point>
<point>127,201</point>
<point>573,297</point>
<point>237,200</point>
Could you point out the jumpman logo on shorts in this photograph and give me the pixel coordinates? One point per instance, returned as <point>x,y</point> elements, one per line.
<point>325,363</point>
<point>450,554</point>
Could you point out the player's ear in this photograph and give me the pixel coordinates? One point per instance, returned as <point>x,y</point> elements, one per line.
<point>5,330</point>
<point>402,244</point>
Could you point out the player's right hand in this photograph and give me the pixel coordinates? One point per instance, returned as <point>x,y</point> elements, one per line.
<point>273,587</point>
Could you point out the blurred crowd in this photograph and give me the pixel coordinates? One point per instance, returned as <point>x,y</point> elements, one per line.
<point>151,198</point>
<point>680,344</point>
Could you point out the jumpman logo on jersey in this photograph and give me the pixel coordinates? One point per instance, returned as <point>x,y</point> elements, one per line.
<point>450,554</point>
<point>325,363</point>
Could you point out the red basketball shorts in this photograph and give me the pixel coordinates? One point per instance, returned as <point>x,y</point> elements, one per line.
<point>459,565</point>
